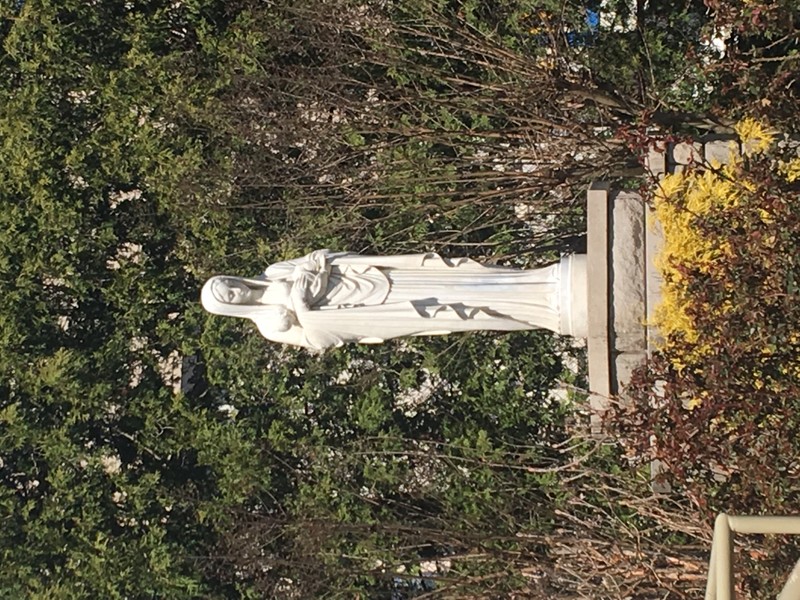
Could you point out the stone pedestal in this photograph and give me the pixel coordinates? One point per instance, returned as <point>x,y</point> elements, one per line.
<point>623,288</point>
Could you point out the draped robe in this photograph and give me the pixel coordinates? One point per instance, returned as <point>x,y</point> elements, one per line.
<point>327,299</point>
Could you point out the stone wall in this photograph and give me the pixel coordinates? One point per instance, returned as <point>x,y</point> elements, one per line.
<point>674,157</point>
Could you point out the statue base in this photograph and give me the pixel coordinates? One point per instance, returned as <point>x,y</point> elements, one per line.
<point>573,296</point>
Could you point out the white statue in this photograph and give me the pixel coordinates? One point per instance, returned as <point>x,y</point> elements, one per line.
<point>328,298</point>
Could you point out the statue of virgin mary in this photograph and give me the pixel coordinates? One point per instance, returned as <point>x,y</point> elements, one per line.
<point>326,299</point>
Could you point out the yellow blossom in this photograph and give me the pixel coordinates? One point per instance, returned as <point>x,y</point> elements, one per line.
<point>790,170</point>
<point>756,138</point>
<point>670,185</point>
<point>694,403</point>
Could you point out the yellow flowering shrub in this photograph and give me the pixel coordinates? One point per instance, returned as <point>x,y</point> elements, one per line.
<point>723,391</point>
<point>679,202</point>
<point>684,204</point>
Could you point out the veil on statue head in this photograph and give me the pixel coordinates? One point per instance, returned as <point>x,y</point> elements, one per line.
<point>214,302</point>
<point>277,316</point>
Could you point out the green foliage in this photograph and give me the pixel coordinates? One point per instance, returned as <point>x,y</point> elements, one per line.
<point>104,472</point>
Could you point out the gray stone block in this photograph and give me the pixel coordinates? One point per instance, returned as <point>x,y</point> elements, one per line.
<point>685,153</point>
<point>597,342</point>
<point>628,300</point>
<point>656,162</point>
<point>720,151</point>
<point>625,364</point>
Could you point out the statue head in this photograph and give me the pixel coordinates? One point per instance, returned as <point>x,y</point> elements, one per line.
<point>231,290</point>
<point>241,297</point>
<point>228,296</point>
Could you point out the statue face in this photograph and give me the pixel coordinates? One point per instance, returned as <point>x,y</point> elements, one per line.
<point>231,291</point>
